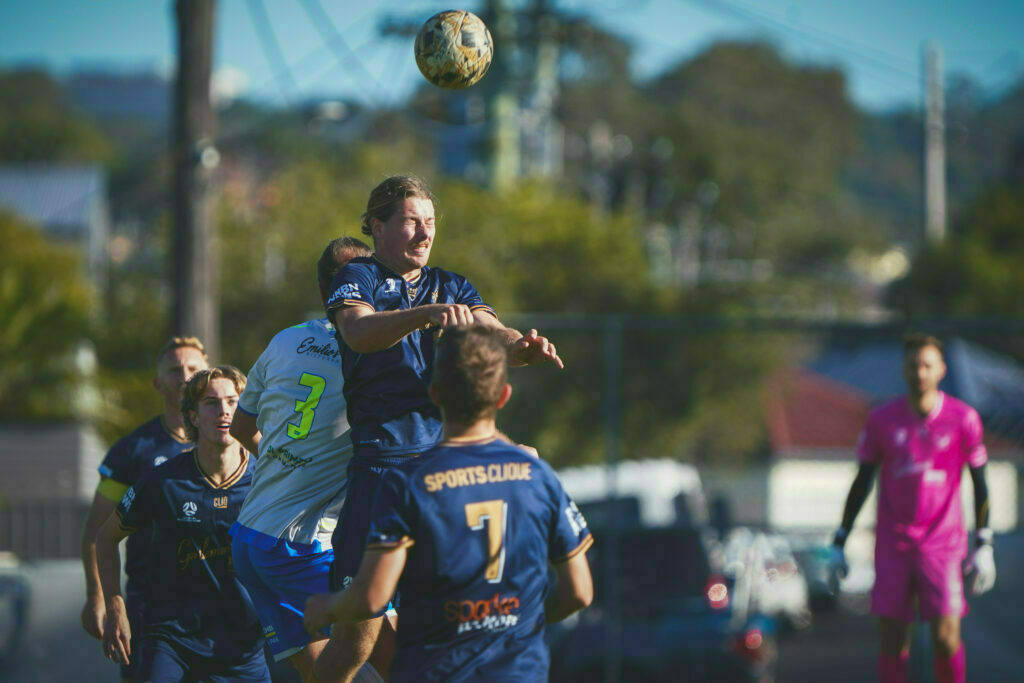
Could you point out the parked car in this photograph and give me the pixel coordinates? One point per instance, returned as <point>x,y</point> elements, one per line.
<point>14,597</point>
<point>663,611</point>
<point>778,585</point>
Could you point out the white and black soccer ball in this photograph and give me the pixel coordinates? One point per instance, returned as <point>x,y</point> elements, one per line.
<point>454,49</point>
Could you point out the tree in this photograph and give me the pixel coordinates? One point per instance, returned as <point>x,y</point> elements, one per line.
<point>44,304</point>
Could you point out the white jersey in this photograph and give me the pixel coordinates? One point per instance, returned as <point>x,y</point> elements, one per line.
<point>298,486</point>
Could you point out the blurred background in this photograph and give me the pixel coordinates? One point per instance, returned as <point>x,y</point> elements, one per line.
<point>724,212</point>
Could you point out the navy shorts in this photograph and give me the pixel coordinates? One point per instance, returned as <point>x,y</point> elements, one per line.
<point>349,541</point>
<point>279,585</point>
<point>164,661</point>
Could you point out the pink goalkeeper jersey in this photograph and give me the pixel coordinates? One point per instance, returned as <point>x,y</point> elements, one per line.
<point>921,461</point>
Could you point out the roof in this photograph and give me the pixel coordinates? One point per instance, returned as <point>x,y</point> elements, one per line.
<point>991,383</point>
<point>807,410</point>
<point>64,199</point>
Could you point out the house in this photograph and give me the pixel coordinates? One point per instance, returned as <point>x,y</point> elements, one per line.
<point>69,202</point>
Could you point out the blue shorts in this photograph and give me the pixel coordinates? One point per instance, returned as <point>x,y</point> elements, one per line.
<point>349,540</point>
<point>279,585</point>
<point>165,662</point>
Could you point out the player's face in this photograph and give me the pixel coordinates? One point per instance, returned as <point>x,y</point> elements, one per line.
<point>923,369</point>
<point>403,241</point>
<point>215,412</point>
<point>175,368</point>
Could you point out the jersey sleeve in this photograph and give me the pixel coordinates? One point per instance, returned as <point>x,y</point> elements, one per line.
<point>391,514</point>
<point>135,509</point>
<point>468,295</point>
<point>118,464</point>
<point>868,451</point>
<point>974,440</point>
<point>352,286</point>
<point>255,385</point>
<point>569,533</point>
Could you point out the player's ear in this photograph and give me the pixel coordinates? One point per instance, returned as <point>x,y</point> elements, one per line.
<point>506,394</point>
<point>376,227</point>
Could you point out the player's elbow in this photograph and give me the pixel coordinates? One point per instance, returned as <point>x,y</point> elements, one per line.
<point>581,595</point>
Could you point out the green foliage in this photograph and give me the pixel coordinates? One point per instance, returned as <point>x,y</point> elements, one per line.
<point>44,304</point>
<point>976,272</point>
<point>37,124</point>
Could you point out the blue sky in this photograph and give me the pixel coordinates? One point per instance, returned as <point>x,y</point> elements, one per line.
<point>878,43</point>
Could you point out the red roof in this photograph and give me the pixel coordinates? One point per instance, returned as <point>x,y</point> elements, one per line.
<point>808,410</point>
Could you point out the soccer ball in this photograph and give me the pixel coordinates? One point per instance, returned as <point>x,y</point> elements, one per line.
<point>454,49</point>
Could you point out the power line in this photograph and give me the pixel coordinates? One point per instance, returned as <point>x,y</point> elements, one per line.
<point>272,50</point>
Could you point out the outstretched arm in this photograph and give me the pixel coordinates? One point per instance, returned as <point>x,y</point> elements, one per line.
<point>365,330</point>
<point>523,349</point>
<point>859,491</point>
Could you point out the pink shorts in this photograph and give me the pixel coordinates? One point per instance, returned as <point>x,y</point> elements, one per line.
<point>934,579</point>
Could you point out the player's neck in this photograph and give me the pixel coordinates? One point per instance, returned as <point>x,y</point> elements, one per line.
<point>481,430</point>
<point>174,424</point>
<point>406,275</point>
<point>925,403</point>
<point>219,462</point>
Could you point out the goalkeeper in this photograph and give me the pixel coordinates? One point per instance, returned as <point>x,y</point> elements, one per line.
<point>920,444</point>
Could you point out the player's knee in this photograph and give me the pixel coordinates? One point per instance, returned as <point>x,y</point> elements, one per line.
<point>946,638</point>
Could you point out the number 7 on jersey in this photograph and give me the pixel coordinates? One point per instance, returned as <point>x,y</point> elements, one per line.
<point>493,514</point>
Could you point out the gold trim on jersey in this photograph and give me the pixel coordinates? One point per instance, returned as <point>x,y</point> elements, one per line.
<point>581,548</point>
<point>231,480</point>
<point>356,302</point>
<point>404,542</point>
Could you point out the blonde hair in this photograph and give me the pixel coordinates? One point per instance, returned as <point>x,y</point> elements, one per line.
<point>195,389</point>
<point>180,343</point>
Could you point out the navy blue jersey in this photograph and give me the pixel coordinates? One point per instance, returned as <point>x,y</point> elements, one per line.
<point>127,460</point>
<point>386,391</point>
<point>481,523</point>
<point>193,597</point>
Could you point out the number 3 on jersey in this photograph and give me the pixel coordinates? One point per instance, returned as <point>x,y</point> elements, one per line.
<point>306,408</point>
<point>493,514</point>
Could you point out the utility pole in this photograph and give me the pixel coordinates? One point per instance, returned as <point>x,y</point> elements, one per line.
<point>195,287</point>
<point>934,147</point>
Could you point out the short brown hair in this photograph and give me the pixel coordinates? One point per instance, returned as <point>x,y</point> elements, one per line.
<point>470,371</point>
<point>915,341</point>
<point>336,254</point>
<point>194,389</point>
<point>180,343</point>
<point>385,197</point>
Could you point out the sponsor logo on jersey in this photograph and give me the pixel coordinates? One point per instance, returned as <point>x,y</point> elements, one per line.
<point>189,551</point>
<point>190,509</point>
<point>478,474</point>
<point>159,460</point>
<point>287,458</point>
<point>128,499</point>
<point>348,290</point>
<point>309,345</point>
<point>575,517</point>
<point>220,502</point>
<point>494,614</point>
